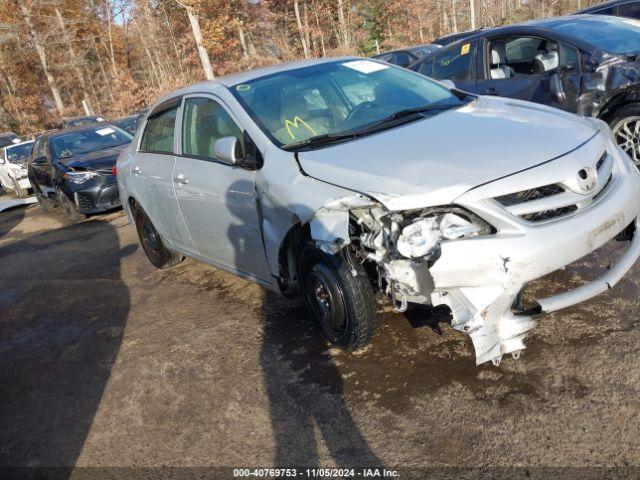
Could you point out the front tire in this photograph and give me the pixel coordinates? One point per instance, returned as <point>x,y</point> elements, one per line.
<point>159,255</point>
<point>70,210</point>
<point>625,125</point>
<point>342,304</point>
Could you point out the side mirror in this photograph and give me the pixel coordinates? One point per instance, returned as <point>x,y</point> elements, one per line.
<point>39,161</point>
<point>229,150</point>
<point>557,90</point>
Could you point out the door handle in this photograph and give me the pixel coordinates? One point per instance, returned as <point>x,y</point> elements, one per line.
<point>181,179</point>
<point>136,171</point>
<point>491,91</point>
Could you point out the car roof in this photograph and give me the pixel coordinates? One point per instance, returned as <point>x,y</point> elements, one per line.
<point>241,77</point>
<point>602,5</point>
<point>410,48</point>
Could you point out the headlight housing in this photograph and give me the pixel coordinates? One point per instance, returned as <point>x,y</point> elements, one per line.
<point>79,177</point>
<point>424,232</point>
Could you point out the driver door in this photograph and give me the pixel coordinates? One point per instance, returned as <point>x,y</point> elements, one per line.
<point>217,200</point>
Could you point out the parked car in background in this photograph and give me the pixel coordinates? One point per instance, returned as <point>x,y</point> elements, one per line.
<point>585,64</point>
<point>74,168</point>
<point>8,138</point>
<point>404,57</point>
<point>454,37</point>
<point>13,167</point>
<point>617,8</point>
<point>313,178</point>
<point>79,121</point>
<point>129,123</point>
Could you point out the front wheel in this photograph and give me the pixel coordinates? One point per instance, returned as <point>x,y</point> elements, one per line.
<point>159,255</point>
<point>340,296</point>
<point>70,210</point>
<point>625,125</point>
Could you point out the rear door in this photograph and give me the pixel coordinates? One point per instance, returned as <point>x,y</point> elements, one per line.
<point>457,64</point>
<point>217,200</point>
<point>152,175</point>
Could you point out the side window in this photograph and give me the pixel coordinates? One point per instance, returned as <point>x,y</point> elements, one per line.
<point>629,10</point>
<point>403,59</point>
<point>605,11</point>
<point>519,56</point>
<point>204,123</point>
<point>455,64</point>
<point>569,57</point>
<point>42,148</point>
<point>158,134</point>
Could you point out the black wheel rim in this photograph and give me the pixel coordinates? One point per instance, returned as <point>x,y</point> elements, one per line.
<point>326,301</point>
<point>150,237</point>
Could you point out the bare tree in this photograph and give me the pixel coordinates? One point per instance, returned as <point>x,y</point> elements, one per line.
<point>197,35</point>
<point>55,91</point>
<point>303,41</point>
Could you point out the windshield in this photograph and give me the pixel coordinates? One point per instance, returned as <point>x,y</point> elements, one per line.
<point>19,153</point>
<point>332,98</point>
<point>85,141</point>
<point>611,34</point>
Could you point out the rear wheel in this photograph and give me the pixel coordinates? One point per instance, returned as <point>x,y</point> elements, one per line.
<point>625,125</point>
<point>70,210</point>
<point>19,191</point>
<point>159,255</point>
<point>342,303</point>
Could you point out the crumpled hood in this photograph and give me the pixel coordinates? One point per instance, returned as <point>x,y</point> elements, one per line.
<point>98,160</point>
<point>441,157</point>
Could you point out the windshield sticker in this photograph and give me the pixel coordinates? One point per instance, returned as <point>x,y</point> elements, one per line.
<point>465,49</point>
<point>243,88</point>
<point>365,66</point>
<point>296,123</point>
<point>105,131</point>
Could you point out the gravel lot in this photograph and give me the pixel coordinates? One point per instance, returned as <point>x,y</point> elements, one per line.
<point>105,361</point>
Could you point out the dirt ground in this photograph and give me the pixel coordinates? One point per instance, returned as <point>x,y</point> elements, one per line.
<point>105,361</point>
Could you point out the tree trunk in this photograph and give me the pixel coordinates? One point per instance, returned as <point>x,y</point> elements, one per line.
<point>74,60</point>
<point>303,41</point>
<point>102,70</point>
<point>343,25</point>
<point>322,47</point>
<point>111,53</point>
<point>243,42</point>
<point>454,16</point>
<point>55,91</point>
<point>472,14</point>
<point>202,51</point>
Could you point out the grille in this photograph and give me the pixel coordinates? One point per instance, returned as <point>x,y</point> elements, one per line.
<point>109,198</point>
<point>529,195</point>
<point>601,161</point>
<point>83,201</point>
<point>604,189</point>
<point>549,214</point>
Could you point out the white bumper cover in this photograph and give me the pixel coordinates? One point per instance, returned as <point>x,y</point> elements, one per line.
<point>480,278</point>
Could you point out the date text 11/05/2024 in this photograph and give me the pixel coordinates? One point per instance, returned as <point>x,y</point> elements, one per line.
<point>315,472</point>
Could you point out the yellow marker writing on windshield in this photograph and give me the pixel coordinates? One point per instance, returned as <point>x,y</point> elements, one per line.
<point>297,121</point>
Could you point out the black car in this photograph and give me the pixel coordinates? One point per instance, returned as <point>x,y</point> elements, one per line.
<point>8,138</point>
<point>406,56</point>
<point>617,8</point>
<point>74,168</point>
<point>585,64</point>
<point>79,121</point>
<point>130,123</point>
<point>454,37</point>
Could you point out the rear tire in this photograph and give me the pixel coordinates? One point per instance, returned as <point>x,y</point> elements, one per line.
<point>69,208</point>
<point>625,125</point>
<point>19,191</point>
<point>342,304</point>
<point>46,204</point>
<point>159,255</point>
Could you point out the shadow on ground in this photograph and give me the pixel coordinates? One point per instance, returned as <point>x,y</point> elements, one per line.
<point>63,309</point>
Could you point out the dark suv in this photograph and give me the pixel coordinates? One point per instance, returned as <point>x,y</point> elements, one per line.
<point>617,8</point>
<point>74,168</point>
<point>585,64</point>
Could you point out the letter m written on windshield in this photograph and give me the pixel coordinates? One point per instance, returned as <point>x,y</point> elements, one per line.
<point>296,124</point>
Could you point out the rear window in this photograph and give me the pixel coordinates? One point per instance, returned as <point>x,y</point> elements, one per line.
<point>158,134</point>
<point>19,153</point>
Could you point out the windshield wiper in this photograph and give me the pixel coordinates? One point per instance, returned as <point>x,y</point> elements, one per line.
<point>327,138</point>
